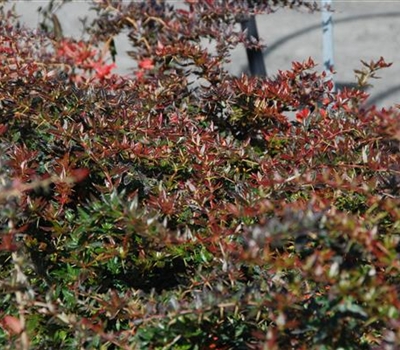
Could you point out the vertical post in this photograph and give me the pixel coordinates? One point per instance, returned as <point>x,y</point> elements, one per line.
<point>327,35</point>
<point>255,57</point>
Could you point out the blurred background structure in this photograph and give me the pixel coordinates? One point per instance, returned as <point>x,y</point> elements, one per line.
<point>363,30</point>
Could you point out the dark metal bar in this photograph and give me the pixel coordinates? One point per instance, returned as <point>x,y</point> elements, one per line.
<point>255,57</point>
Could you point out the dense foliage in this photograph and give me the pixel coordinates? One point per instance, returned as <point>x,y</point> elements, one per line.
<point>186,208</point>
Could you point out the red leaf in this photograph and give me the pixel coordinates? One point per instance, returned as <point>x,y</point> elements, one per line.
<point>7,243</point>
<point>103,70</point>
<point>323,113</point>
<point>3,129</point>
<point>146,64</point>
<point>303,114</point>
<point>11,324</point>
<point>79,174</point>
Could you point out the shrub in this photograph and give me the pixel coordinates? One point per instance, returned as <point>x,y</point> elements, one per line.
<point>180,207</point>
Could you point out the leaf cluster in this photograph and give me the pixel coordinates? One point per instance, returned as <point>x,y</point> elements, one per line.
<point>182,207</point>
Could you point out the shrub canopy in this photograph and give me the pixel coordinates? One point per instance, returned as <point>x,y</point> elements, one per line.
<point>186,208</point>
